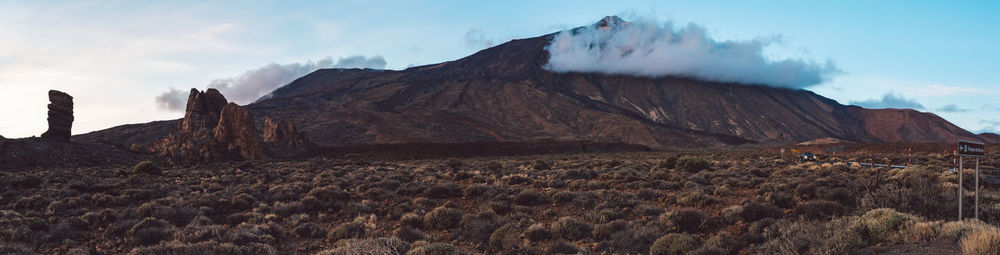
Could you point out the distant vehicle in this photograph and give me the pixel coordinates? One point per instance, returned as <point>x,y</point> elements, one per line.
<point>806,156</point>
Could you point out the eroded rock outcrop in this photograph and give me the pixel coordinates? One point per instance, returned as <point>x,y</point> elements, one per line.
<point>203,109</point>
<point>283,139</point>
<point>60,116</point>
<point>212,130</point>
<point>236,131</point>
<point>216,130</point>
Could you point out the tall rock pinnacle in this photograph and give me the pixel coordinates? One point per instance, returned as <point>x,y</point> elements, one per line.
<point>60,116</point>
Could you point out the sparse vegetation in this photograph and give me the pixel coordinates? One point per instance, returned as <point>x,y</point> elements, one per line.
<point>146,167</point>
<point>674,244</point>
<point>631,203</point>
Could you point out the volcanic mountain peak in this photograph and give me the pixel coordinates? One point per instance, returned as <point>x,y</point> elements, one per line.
<point>610,22</point>
<point>504,94</point>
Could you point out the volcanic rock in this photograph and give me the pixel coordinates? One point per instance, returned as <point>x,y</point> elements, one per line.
<point>203,109</point>
<point>236,131</point>
<point>283,139</point>
<point>212,130</point>
<point>60,116</point>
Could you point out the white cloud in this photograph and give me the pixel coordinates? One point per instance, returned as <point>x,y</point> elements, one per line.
<point>952,108</point>
<point>253,84</point>
<point>648,48</point>
<point>476,39</point>
<point>889,100</point>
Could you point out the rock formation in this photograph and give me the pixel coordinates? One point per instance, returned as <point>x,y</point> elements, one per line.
<point>214,130</point>
<point>60,116</point>
<point>211,130</point>
<point>236,131</point>
<point>283,139</point>
<point>202,110</point>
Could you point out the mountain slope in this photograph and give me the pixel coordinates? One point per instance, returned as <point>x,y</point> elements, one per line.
<point>504,94</point>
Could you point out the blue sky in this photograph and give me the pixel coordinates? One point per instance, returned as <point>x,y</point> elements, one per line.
<point>115,57</point>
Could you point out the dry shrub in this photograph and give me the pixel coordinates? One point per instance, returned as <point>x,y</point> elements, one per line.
<point>477,228</point>
<point>443,190</point>
<point>563,197</point>
<point>883,223</point>
<point>723,191</point>
<point>688,220</point>
<point>723,242</point>
<point>442,218</point>
<point>309,230</point>
<point>674,244</point>
<point>383,245</point>
<point>412,220</point>
<point>529,197</point>
<point>208,247</point>
<point>150,231</point>
<point>956,230</point>
<point>146,167</point>
<point>537,232</point>
<point>562,247</point>
<point>982,242</point>
<point>692,164</point>
<point>755,211</point>
<point>781,199</point>
<point>347,230</point>
<point>419,248</point>
<point>604,231</point>
<point>15,248</point>
<point>695,198</point>
<point>571,228</point>
<point>820,209</point>
<point>920,232</point>
<point>494,167</point>
<point>505,238</point>
<point>409,234</point>
<point>540,165</point>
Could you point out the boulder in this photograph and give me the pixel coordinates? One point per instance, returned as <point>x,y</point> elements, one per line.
<point>60,116</point>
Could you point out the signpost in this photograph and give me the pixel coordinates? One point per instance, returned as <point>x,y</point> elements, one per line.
<point>969,149</point>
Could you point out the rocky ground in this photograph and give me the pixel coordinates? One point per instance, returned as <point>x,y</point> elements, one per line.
<point>612,203</point>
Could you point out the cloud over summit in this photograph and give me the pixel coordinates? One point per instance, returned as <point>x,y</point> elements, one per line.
<point>651,49</point>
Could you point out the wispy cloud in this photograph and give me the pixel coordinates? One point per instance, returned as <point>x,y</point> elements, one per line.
<point>952,108</point>
<point>991,126</point>
<point>889,100</point>
<point>253,84</point>
<point>476,39</point>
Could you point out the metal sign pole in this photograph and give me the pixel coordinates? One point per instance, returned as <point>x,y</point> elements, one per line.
<point>960,188</point>
<point>977,188</point>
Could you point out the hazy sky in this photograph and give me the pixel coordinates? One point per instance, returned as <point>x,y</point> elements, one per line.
<point>117,57</point>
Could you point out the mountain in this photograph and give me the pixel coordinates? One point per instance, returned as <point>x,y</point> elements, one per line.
<point>503,94</point>
<point>990,137</point>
